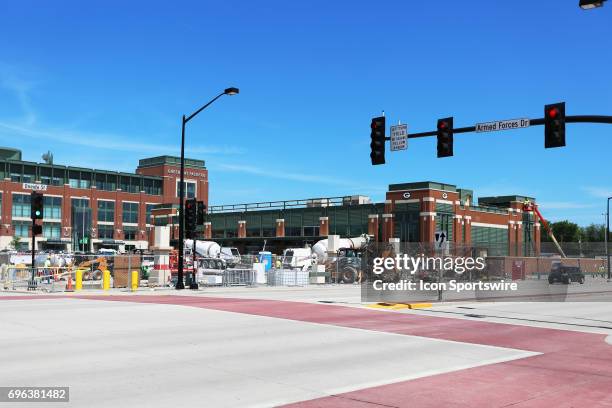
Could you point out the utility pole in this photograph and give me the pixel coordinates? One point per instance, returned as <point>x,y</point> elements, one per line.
<point>607,237</point>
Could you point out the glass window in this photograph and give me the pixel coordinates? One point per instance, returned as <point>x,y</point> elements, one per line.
<point>80,203</point>
<point>21,205</point>
<point>129,233</point>
<point>130,212</point>
<point>29,174</point>
<point>106,211</point>
<point>190,189</point>
<point>105,231</point>
<point>51,230</point>
<point>52,207</point>
<point>152,187</point>
<point>148,210</point>
<point>22,228</point>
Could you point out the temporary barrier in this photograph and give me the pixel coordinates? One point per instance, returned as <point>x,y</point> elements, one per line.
<point>239,277</point>
<point>288,277</point>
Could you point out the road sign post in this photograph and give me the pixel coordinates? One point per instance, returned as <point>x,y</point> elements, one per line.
<point>399,137</point>
<point>441,238</point>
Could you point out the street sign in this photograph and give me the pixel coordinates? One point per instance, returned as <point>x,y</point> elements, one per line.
<point>399,137</point>
<point>508,124</point>
<point>441,240</point>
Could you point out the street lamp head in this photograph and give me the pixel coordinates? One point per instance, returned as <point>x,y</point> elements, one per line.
<point>590,4</point>
<point>231,91</point>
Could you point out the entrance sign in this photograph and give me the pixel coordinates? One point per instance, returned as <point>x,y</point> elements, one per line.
<point>399,137</point>
<point>502,125</point>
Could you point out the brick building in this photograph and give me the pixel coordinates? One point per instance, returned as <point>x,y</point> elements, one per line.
<point>412,212</point>
<point>84,208</point>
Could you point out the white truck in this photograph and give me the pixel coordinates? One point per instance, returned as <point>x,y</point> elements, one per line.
<point>341,256</point>
<point>211,249</point>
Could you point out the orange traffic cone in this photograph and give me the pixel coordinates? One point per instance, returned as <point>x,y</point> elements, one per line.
<point>69,287</point>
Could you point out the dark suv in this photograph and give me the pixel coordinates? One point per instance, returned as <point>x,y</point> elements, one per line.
<point>566,274</point>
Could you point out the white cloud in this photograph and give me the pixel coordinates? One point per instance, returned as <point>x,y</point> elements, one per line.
<point>108,141</point>
<point>20,89</point>
<point>288,175</point>
<point>598,192</point>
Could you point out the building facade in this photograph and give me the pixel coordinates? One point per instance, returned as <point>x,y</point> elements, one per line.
<point>86,209</point>
<point>412,212</point>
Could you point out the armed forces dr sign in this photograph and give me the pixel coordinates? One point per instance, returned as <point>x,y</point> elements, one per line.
<point>502,125</point>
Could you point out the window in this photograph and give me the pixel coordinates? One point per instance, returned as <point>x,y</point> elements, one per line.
<point>311,231</point>
<point>22,228</point>
<point>152,187</point>
<point>129,233</point>
<point>106,211</point>
<point>190,188</point>
<point>80,203</point>
<point>105,231</point>
<point>21,205</point>
<point>53,207</point>
<point>148,210</point>
<point>130,212</point>
<point>57,181</point>
<point>29,174</point>
<point>51,229</point>
<point>107,182</point>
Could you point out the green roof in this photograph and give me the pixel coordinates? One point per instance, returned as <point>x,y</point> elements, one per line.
<point>160,160</point>
<point>422,185</point>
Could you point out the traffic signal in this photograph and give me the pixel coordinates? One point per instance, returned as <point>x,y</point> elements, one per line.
<point>190,216</point>
<point>37,205</point>
<point>36,229</point>
<point>445,137</point>
<point>201,212</point>
<point>554,125</point>
<point>378,140</point>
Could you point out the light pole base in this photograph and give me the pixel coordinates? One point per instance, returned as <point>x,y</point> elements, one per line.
<point>194,286</point>
<point>179,285</point>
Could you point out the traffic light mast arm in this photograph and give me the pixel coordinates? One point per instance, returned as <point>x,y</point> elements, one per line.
<point>532,122</point>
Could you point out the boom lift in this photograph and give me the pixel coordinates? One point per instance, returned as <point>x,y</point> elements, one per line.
<point>529,206</point>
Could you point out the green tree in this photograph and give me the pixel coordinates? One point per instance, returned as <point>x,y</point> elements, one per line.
<point>14,244</point>
<point>565,231</point>
<point>593,233</point>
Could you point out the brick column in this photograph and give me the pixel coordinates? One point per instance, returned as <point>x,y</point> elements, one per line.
<point>536,238</point>
<point>207,230</point>
<point>457,236</point>
<point>519,238</point>
<point>373,226</point>
<point>427,226</point>
<point>280,227</point>
<point>241,229</point>
<point>511,238</point>
<point>387,227</point>
<point>323,226</point>
<point>468,229</point>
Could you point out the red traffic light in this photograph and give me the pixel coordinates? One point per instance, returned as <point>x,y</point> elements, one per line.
<point>553,113</point>
<point>442,125</point>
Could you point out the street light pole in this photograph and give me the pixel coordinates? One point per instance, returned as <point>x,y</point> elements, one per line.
<point>179,283</point>
<point>606,236</point>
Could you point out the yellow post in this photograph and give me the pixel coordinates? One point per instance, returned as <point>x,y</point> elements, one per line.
<point>79,280</point>
<point>106,280</point>
<point>135,280</point>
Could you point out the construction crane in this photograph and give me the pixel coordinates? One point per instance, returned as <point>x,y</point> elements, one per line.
<point>529,206</point>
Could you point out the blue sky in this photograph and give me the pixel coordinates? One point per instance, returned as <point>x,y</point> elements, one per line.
<point>106,84</point>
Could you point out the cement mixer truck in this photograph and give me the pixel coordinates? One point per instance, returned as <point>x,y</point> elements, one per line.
<point>341,257</point>
<point>210,249</point>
